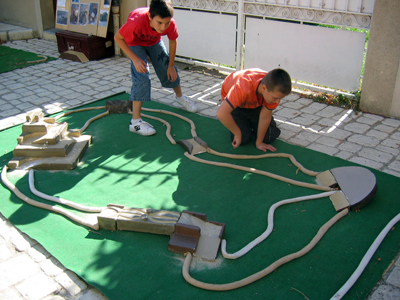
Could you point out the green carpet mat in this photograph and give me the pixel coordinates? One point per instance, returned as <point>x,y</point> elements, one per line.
<point>136,171</point>
<point>11,59</point>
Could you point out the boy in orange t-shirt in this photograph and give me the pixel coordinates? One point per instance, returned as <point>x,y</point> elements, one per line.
<point>248,99</point>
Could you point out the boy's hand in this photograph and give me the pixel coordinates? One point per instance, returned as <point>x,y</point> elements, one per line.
<point>172,75</point>
<point>264,147</point>
<point>237,140</point>
<point>140,65</point>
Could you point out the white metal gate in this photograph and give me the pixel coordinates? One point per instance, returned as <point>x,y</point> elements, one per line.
<point>278,33</point>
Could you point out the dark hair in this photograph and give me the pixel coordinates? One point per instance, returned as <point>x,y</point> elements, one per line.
<point>161,8</point>
<point>278,80</point>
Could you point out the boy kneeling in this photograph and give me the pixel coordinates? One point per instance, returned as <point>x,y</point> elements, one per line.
<point>248,99</point>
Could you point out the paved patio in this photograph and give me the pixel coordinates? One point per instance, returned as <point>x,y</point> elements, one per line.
<point>28,271</point>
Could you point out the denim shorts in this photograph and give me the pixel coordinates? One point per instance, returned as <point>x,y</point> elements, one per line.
<point>141,82</point>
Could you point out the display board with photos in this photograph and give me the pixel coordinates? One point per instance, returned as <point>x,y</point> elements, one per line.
<point>84,16</point>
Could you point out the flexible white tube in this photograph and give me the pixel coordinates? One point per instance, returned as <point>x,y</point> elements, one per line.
<point>270,226</point>
<point>267,270</point>
<point>78,110</point>
<point>364,262</point>
<point>192,125</point>
<point>16,191</point>
<point>60,200</point>
<point>260,172</point>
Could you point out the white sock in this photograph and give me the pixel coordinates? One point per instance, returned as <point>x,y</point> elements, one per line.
<point>135,121</point>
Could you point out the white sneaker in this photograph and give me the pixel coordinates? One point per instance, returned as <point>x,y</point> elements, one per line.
<point>186,103</point>
<point>141,127</point>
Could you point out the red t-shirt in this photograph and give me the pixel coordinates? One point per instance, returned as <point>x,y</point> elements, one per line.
<point>137,31</point>
<point>240,89</point>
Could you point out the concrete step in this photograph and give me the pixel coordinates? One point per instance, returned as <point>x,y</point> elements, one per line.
<point>13,33</point>
<point>50,34</point>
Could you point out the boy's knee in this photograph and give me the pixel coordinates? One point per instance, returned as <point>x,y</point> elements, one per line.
<point>273,133</point>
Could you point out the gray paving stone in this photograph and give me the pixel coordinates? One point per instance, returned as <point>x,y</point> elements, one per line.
<point>40,100</point>
<point>299,141</point>
<point>6,107</point>
<point>286,135</point>
<point>52,267</point>
<point>16,269</point>
<point>292,105</point>
<point>374,117</point>
<point>330,111</point>
<point>38,253</point>
<point>327,141</point>
<point>11,294</point>
<point>366,162</point>
<point>363,140</point>
<point>11,96</point>
<point>384,128</point>
<point>395,136</point>
<point>4,91</point>
<point>5,253</point>
<point>22,242</point>
<point>16,86</point>
<point>326,123</point>
<point>366,120</point>
<point>314,108</point>
<point>324,149</point>
<point>357,127</point>
<point>71,283</point>
<point>393,151</point>
<point>55,297</point>
<point>92,294</point>
<point>89,80</point>
<point>292,97</point>
<point>37,287</point>
<point>305,119</point>
<point>377,134</point>
<point>391,143</point>
<point>343,155</point>
<point>394,277</point>
<point>395,165</point>
<point>375,155</point>
<point>287,112</point>
<point>308,136</point>
<point>338,133</point>
<point>385,292</point>
<point>391,122</point>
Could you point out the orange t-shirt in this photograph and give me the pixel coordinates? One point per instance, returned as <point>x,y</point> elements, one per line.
<point>240,89</point>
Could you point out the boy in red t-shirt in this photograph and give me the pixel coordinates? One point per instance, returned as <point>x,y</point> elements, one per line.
<point>248,99</point>
<point>139,38</point>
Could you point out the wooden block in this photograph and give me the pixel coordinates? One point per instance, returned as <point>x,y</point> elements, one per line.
<point>182,243</point>
<point>187,229</point>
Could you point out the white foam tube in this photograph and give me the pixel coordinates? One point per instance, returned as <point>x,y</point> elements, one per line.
<point>192,125</point>
<point>78,110</point>
<point>270,226</point>
<point>61,211</point>
<point>60,200</point>
<point>266,271</point>
<point>364,262</point>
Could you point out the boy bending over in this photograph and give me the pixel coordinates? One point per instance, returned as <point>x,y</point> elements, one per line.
<point>248,99</point>
<point>140,37</point>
